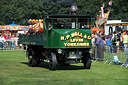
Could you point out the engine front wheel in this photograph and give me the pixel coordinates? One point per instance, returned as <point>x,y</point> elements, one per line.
<point>52,61</point>
<point>86,60</point>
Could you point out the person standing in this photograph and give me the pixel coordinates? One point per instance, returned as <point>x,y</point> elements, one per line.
<point>114,43</point>
<point>125,40</point>
<point>13,42</point>
<point>97,33</point>
<point>100,47</point>
<point>2,40</point>
<point>16,40</point>
<point>110,36</point>
<point>118,41</point>
<point>5,36</point>
<point>93,39</point>
<point>109,44</point>
<point>93,46</point>
<point>122,44</point>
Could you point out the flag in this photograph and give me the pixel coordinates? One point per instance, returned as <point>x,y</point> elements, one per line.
<point>103,5</point>
<point>102,12</point>
<point>110,3</point>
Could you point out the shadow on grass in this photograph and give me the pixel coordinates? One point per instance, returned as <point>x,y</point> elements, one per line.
<point>59,67</point>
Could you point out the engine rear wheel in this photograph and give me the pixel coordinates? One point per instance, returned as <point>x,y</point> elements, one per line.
<point>33,60</point>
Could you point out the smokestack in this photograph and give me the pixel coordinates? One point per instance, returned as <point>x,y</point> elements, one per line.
<point>74,10</point>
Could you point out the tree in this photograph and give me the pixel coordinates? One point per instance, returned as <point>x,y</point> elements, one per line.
<point>19,11</point>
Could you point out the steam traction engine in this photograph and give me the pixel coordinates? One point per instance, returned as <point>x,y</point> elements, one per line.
<point>66,39</point>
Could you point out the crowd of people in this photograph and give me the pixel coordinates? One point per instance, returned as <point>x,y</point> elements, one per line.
<point>114,42</point>
<point>8,41</point>
<point>34,30</point>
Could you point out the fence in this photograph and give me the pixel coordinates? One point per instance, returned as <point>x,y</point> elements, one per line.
<point>110,55</point>
<point>7,45</point>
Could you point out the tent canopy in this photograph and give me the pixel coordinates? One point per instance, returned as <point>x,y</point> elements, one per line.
<point>13,24</point>
<point>38,25</point>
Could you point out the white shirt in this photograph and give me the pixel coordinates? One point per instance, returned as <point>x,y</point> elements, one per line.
<point>2,39</point>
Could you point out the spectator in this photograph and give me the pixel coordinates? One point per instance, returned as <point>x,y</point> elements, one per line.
<point>122,34</point>
<point>125,40</point>
<point>100,47</point>
<point>110,36</point>
<point>36,31</point>
<point>102,35</point>
<point>5,36</point>
<point>118,41</point>
<point>114,42</point>
<point>31,30</point>
<point>40,31</point>
<point>8,37</point>
<point>16,40</point>
<point>97,33</point>
<point>118,29</point>
<point>93,39</point>
<point>13,42</point>
<point>109,44</point>
<point>2,40</point>
<point>93,46</point>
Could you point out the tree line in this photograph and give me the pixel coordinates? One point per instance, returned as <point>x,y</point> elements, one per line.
<point>19,11</point>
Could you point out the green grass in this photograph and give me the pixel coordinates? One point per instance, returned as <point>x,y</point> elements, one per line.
<point>15,71</point>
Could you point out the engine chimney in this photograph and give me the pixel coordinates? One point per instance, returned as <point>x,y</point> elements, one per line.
<point>74,10</point>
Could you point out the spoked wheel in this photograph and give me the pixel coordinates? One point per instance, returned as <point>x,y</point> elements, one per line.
<point>86,60</point>
<point>52,61</point>
<point>33,60</point>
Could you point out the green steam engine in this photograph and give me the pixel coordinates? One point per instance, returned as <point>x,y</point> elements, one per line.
<point>66,39</point>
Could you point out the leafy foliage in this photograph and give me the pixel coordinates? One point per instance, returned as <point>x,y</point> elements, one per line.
<point>19,11</point>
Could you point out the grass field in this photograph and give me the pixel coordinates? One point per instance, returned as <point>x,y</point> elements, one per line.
<point>15,71</point>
